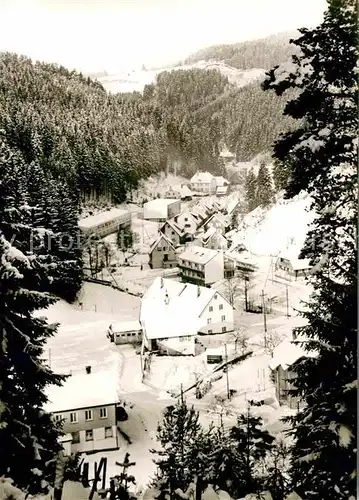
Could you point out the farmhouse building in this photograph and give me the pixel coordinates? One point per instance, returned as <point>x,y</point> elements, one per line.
<point>162,254</point>
<point>284,356</point>
<point>173,313</point>
<point>288,267</point>
<point>214,239</point>
<point>88,406</point>
<point>125,332</point>
<point>218,221</point>
<point>203,182</point>
<point>179,192</point>
<point>105,223</point>
<point>160,209</point>
<point>173,232</point>
<point>188,222</point>
<point>201,266</point>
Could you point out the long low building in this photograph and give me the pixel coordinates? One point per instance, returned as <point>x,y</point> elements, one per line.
<point>105,223</point>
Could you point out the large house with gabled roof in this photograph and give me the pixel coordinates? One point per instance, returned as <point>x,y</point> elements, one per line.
<point>162,253</point>
<point>173,314</point>
<point>173,232</point>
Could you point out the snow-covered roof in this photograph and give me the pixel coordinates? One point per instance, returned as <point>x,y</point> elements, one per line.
<point>222,190</point>
<point>296,263</point>
<point>221,181</point>
<point>198,255</point>
<point>160,238</point>
<point>182,189</point>
<point>174,226</point>
<point>173,309</point>
<point>226,154</point>
<point>202,177</point>
<point>83,391</point>
<point>102,218</point>
<point>287,353</point>
<point>159,203</point>
<point>125,326</point>
<point>220,217</point>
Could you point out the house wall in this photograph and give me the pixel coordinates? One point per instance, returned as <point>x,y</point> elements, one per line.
<point>158,255</point>
<point>214,269</point>
<point>173,209</point>
<point>173,194</point>
<point>217,224</point>
<point>97,425</point>
<point>171,234</point>
<point>212,316</point>
<point>177,346</point>
<point>284,381</point>
<point>129,337</point>
<point>109,227</point>
<point>187,222</point>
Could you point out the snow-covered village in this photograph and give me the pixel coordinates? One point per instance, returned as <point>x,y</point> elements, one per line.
<point>178,279</point>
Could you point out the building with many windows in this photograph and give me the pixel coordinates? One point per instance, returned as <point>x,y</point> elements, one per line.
<point>87,404</point>
<point>201,266</point>
<point>203,182</point>
<point>105,223</point>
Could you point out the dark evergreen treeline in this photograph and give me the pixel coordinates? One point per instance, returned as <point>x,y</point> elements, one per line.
<point>262,53</point>
<point>102,144</point>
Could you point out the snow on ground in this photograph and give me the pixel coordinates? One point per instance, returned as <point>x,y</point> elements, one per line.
<point>81,337</point>
<point>135,80</point>
<point>282,228</point>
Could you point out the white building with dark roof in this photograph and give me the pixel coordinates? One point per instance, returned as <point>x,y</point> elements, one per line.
<point>160,209</point>
<point>203,182</point>
<point>201,266</point>
<point>105,223</point>
<point>173,313</point>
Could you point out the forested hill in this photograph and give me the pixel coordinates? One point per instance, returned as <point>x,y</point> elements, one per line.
<point>103,143</point>
<point>262,53</point>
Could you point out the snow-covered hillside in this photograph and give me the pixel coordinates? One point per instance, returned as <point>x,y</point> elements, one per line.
<point>282,228</point>
<point>136,80</point>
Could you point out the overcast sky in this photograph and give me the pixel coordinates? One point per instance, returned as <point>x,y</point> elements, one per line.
<point>95,35</point>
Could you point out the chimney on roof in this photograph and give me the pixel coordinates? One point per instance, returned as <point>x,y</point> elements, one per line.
<point>88,369</point>
<point>198,290</point>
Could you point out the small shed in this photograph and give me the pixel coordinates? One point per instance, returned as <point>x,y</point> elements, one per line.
<point>125,332</point>
<point>214,355</point>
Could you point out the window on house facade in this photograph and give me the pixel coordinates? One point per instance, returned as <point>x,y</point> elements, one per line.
<point>108,432</point>
<point>58,417</point>
<point>75,437</point>
<point>210,308</point>
<point>224,328</point>
<point>89,435</point>
<point>165,257</point>
<point>88,415</point>
<point>210,331</point>
<point>216,296</point>
<point>220,307</point>
<point>223,318</point>
<point>209,321</point>
<point>103,412</point>
<point>73,417</point>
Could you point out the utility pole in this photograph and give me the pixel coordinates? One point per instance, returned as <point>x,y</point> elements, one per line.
<point>287,299</point>
<point>264,319</point>
<point>227,379</point>
<point>246,293</point>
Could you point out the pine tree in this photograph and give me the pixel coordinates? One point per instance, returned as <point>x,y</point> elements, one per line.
<point>264,193</point>
<point>28,437</point>
<point>322,154</point>
<point>252,442</point>
<point>177,434</point>
<point>251,190</point>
